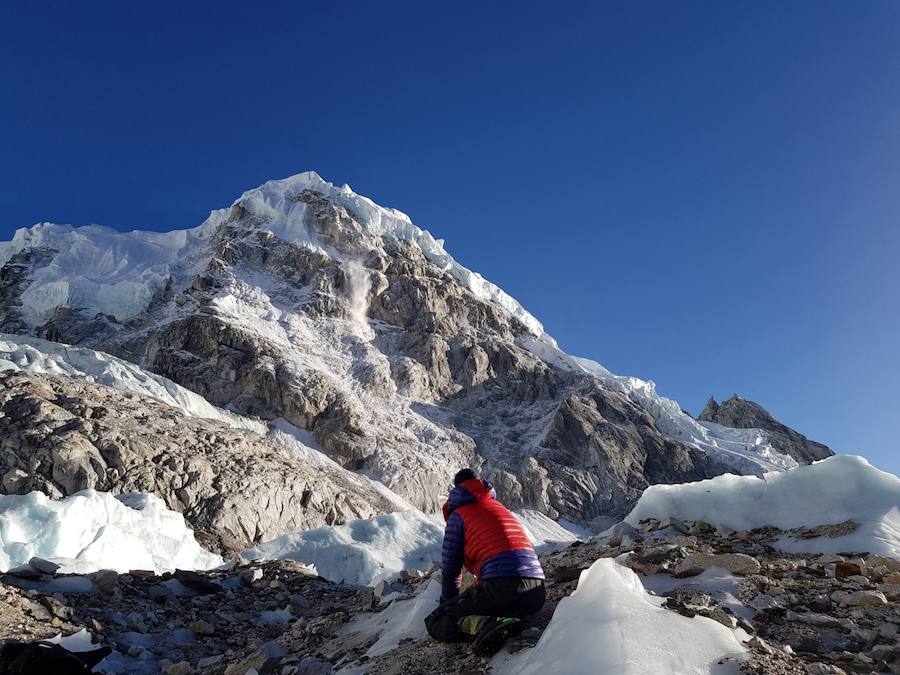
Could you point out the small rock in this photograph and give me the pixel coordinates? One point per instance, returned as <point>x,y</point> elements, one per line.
<point>180,668</point>
<point>106,580</point>
<point>26,572</point>
<point>209,661</point>
<point>813,619</point>
<point>756,643</point>
<point>844,569</point>
<point>251,575</point>
<point>736,563</point>
<point>719,615</point>
<point>313,666</point>
<point>43,566</point>
<point>201,627</point>
<point>860,599</point>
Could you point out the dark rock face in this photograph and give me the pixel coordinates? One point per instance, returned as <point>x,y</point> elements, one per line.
<point>738,413</point>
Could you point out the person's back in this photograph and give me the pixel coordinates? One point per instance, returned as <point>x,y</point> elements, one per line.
<point>483,536</point>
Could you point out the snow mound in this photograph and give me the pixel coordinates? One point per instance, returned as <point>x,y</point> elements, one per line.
<point>546,533</point>
<point>91,530</point>
<point>610,624</point>
<point>362,551</point>
<point>833,490</point>
<point>33,355</point>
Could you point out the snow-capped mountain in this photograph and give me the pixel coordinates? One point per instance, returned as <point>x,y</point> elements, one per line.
<point>307,303</point>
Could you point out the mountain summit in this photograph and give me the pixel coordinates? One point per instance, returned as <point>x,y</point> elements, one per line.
<point>738,413</point>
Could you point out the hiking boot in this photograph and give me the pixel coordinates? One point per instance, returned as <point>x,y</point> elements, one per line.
<point>493,634</point>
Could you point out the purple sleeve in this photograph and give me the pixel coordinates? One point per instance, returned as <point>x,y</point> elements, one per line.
<point>454,545</point>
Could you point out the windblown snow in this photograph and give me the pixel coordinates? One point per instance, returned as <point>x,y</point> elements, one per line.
<point>610,624</point>
<point>91,530</point>
<point>831,491</point>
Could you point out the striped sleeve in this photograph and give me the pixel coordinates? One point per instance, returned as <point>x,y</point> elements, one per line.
<point>454,545</point>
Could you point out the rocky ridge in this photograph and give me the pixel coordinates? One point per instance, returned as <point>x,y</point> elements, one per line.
<point>739,413</point>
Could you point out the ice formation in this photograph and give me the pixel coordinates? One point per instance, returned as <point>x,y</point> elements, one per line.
<point>91,530</point>
<point>833,490</point>
<point>610,624</point>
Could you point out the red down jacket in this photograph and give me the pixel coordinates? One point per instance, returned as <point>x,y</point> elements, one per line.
<point>484,536</point>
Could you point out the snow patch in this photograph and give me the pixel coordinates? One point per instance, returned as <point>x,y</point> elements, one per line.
<point>833,490</point>
<point>91,530</point>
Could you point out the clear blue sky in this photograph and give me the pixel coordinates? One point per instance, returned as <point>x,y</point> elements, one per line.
<point>704,194</point>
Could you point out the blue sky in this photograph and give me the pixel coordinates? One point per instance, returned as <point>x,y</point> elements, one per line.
<point>703,194</point>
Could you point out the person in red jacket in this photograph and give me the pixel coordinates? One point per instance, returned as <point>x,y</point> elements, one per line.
<point>485,538</point>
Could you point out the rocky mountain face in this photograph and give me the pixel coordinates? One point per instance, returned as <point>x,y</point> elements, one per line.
<point>61,435</point>
<point>309,305</point>
<point>739,413</point>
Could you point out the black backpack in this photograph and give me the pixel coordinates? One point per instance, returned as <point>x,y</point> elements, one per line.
<point>46,658</point>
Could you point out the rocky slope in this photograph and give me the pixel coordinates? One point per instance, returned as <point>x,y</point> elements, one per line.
<point>739,413</point>
<point>236,488</point>
<point>797,615</point>
<point>308,303</point>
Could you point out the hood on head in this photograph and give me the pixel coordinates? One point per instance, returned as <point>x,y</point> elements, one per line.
<point>468,492</point>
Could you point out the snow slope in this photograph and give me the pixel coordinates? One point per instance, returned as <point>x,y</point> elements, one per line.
<point>830,491</point>
<point>90,530</point>
<point>610,624</point>
<point>33,355</point>
<point>361,551</point>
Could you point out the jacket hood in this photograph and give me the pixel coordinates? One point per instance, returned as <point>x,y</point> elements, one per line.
<point>468,492</point>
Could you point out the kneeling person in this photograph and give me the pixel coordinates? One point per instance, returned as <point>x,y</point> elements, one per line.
<point>487,539</point>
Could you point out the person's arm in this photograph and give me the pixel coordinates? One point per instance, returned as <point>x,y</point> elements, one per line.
<point>454,545</point>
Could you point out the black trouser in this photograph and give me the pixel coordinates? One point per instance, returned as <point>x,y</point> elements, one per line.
<point>501,596</point>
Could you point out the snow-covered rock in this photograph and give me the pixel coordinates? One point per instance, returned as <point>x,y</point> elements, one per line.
<point>610,624</point>
<point>91,530</point>
<point>361,551</point>
<point>834,490</point>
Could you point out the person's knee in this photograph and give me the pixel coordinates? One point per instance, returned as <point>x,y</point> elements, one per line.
<point>443,627</point>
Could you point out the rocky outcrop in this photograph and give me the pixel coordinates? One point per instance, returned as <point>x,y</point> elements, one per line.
<point>234,487</point>
<point>739,413</point>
